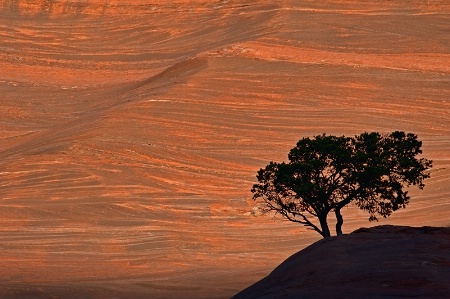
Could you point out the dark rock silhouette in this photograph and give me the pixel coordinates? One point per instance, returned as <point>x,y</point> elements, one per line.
<point>379,262</point>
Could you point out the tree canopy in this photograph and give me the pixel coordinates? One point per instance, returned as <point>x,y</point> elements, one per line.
<point>326,173</point>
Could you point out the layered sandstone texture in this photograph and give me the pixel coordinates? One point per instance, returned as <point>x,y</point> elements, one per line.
<point>131,132</point>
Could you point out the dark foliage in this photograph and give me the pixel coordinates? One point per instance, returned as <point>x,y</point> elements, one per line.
<point>326,173</point>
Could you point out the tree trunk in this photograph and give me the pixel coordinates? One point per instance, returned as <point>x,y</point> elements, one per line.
<point>339,222</point>
<point>324,226</point>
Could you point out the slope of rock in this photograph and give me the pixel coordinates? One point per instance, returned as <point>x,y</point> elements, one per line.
<point>379,262</point>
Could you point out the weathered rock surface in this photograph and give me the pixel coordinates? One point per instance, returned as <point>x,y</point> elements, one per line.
<point>131,132</point>
<point>379,262</point>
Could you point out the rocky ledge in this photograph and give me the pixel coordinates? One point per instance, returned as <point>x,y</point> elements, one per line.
<point>378,262</point>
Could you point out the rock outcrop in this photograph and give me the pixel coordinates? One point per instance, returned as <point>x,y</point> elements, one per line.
<point>379,262</point>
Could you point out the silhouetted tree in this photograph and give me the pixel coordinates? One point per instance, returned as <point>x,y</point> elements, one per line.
<point>326,173</point>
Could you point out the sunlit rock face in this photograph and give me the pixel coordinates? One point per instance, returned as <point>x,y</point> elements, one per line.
<point>131,132</point>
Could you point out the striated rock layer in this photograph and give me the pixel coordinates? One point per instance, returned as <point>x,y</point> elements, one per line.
<point>380,262</point>
<point>131,132</point>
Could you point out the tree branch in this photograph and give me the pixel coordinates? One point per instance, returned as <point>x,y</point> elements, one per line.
<point>306,222</point>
